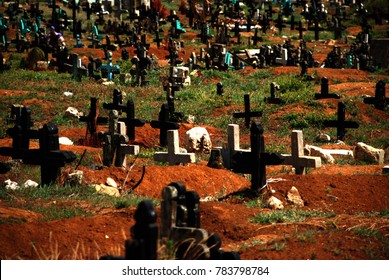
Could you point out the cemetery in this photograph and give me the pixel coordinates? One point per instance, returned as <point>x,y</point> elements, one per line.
<point>194,129</point>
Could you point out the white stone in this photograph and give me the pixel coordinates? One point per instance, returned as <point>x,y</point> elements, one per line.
<point>11,185</point>
<point>65,141</point>
<point>293,197</point>
<point>324,138</point>
<point>111,182</point>
<point>198,140</point>
<point>68,93</point>
<point>30,184</point>
<point>368,153</point>
<point>72,112</point>
<point>75,178</point>
<point>100,188</point>
<point>323,154</point>
<point>274,203</point>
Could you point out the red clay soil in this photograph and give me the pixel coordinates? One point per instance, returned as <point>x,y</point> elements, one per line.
<point>344,191</point>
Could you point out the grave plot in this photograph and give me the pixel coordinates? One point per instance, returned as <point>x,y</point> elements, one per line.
<point>180,224</point>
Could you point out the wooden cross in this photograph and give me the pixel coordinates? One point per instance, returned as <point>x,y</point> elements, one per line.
<point>379,100</point>
<point>173,155</point>
<point>247,114</point>
<point>254,162</point>
<point>341,124</point>
<point>92,120</point>
<point>324,90</point>
<point>297,158</point>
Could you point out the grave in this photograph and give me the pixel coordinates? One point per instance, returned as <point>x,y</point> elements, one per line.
<point>114,142</point>
<point>297,158</point>
<point>341,124</point>
<point>173,155</point>
<point>324,90</point>
<point>379,100</point>
<point>179,224</point>
<point>163,124</point>
<point>254,162</point>
<point>48,155</point>
<point>247,114</point>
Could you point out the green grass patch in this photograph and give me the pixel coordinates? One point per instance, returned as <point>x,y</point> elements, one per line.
<point>288,216</point>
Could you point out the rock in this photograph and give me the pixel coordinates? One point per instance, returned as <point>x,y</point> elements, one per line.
<point>111,182</point>
<point>68,93</point>
<point>216,159</point>
<point>11,185</point>
<point>72,112</point>
<point>75,178</point>
<point>190,119</point>
<point>293,197</point>
<point>274,203</point>
<point>125,78</point>
<point>198,140</point>
<point>65,141</point>
<point>369,154</point>
<point>101,188</point>
<point>323,138</point>
<point>30,184</point>
<point>319,152</point>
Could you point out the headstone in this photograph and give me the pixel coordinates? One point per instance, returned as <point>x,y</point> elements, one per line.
<point>173,155</point>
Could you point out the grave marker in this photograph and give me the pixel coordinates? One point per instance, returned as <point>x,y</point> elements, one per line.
<point>163,124</point>
<point>341,124</point>
<point>255,161</point>
<point>324,90</point>
<point>173,155</point>
<point>297,158</point>
<point>379,100</point>
<point>247,114</point>
<point>48,156</point>
<point>273,99</point>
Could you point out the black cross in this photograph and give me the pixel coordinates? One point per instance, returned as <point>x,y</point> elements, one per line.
<point>247,114</point>
<point>48,156</point>
<point>341,124</point>
<point>163,124</point>
<point>273,99</point>
<point>324,90</point>
<point>301,29</point>
<point>379,100</point>
<point>255,161</point>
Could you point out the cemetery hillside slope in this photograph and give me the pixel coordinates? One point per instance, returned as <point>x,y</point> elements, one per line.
<point>340,210</point>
